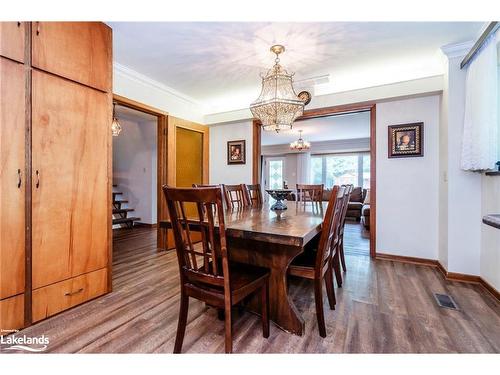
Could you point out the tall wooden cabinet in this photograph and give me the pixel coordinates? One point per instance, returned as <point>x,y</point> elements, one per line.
<point>12,193</point>
<point>56,111</point>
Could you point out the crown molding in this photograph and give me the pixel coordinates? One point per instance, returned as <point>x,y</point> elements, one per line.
<point>145,80</point>
<point>457,49</point>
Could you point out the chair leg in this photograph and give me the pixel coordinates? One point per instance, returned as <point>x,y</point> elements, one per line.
<point>228,328</point>
<point>318,298</point>
<point>336,269</point>
<point>181,326</point>
<point>265,309</point>
<point>342,259</point>
<point>330,291</point>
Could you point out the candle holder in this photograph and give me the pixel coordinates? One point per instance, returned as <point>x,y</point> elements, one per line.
<point>279,195</point>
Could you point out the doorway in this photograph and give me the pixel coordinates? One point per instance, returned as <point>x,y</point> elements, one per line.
<point>353,164</point>
<point>134,194</point>
<point>158,170</point>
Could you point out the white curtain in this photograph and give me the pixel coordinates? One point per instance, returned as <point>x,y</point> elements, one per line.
<point>304,168</point>
<point>480,149</point>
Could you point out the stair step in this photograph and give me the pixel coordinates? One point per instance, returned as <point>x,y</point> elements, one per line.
<point>125,220</point>
<point>120,201</point>
<point>115,185</point>
<point>117,192</point>
<point>122,210</point>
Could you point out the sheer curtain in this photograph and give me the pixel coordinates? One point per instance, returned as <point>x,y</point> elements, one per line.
<point>304,168</point>
<point>480,149</point>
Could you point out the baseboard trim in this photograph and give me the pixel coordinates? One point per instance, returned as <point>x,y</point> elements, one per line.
<point>139,224</point>
<point>450,276</point>
<point>404,259</point>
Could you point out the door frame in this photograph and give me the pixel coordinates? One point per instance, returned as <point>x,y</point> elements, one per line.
<point>325,112</point>
<point>162,154</point>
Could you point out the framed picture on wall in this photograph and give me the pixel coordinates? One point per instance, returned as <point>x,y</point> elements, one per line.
<point>236,152</point>
<point>406,140</point>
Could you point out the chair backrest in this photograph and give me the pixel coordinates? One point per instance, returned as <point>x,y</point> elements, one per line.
<point>309,193</point>
<point>214,269</point>
<point>328,229</point>
<point>235,196</point>
<point>253,194</point>
<point>347,193</point>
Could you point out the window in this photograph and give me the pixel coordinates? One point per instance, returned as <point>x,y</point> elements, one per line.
<point>275,174</point>
<point>338,169</point>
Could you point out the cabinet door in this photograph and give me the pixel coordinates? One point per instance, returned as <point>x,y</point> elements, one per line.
<point>80,51</point>
<point>12,178</point>
<point>12,40</point>
<point>11,313</point>
<point>70,139</point>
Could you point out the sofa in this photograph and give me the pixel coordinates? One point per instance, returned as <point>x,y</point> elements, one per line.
<point>355,202</point>
<point>355,205</point>
<point>365,211</point>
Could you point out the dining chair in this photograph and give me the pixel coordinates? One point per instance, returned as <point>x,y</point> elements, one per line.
<point>205,271</point>
<point>341,234</point>
<point>309,193</point>
<point>253,194</point>
<point>235,196</point>
<point>316,265</point>
<point>338,242</point>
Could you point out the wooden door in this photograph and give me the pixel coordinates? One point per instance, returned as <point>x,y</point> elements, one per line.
<point>71,135</point>
<point>189,157</point>
<point>80,51</point>
<point>12,178</point>
<point>12,40</point>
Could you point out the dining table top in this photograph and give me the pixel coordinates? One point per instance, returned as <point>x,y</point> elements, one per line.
<point>295,226</point>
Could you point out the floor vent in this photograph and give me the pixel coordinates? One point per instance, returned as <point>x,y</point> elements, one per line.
<point>445,301</point>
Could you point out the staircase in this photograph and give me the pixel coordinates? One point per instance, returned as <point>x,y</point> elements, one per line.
<point>121,211</point>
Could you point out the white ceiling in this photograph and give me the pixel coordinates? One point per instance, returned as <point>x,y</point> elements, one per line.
<point>350,126</point>
<point>218,63</point>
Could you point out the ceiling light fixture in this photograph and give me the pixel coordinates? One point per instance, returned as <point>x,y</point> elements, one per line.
<point>300,144</point>
<point>277,106</point>
<point>115,125</point>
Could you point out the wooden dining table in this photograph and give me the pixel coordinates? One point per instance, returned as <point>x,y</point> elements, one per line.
<point>272,239</point>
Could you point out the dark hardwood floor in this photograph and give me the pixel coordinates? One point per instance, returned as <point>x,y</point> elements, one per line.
<point>356,239</point>
<point>383,307</point>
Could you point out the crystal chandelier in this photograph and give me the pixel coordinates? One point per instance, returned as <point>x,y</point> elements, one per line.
<point>300,144</point>
<point>278,106</point>
<point>115,125</point>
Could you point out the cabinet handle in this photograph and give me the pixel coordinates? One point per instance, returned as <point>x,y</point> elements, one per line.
<point>38,28</point>
<point>18,178</point>
<point>69,294</point>
<point>37,179</point>
<point>18,24</point>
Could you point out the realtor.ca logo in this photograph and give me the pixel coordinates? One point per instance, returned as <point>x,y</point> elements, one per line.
<point>25,343</point>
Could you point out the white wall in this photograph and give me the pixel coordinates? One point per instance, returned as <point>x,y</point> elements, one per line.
<point>407,188</point>
<point>490,237</point>
<point>134,167</point>
<point>220,172</point>
<point>324,147</point>
<point>461,193</point>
